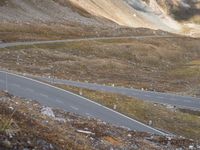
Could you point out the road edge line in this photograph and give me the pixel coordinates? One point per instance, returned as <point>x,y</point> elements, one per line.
<point>162,133</point>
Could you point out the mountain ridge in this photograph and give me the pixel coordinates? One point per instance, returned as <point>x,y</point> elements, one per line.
<point>152,14</point>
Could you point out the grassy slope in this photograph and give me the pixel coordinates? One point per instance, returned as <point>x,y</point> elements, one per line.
<point>171,120</point>
<point>11,32</point>
<point>156,64</point>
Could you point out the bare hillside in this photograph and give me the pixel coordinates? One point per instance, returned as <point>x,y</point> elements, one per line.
<point>22,20</point>
<point>155,14</point>
<point>42,20</point>
<point>130,13</point>
<point>81,17</point>
<point>42,11</point>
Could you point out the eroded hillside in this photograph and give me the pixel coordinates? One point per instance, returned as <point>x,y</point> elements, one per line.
<point>165,14</point>
<point>128,13</point>
<point>22,20</point>
<point>58,19</point>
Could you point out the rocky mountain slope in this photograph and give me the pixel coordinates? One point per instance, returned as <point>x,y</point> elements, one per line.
<point>22,20</point>
<point>84,15</point>
<point>181,9</point>
<point>42,11</point>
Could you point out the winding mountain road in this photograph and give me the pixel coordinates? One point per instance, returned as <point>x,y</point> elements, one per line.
<point>156,97</point>
<point>6,45</point>
<point>55,97</point>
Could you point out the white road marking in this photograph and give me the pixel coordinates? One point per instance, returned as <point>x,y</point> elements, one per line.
<point>59,101</point>
<point>148,96</point>
<point>16,85</point>
<point>160,97</point>
<point>162,133</point>
<point>44,95</point>
<point>187,101</point>
<point>75,108</point>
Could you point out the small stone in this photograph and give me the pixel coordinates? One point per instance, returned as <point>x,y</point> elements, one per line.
<point>129,135</point>
<point>111,148</point>
<point>91,138</point>
<point>134,147</point>
<point>191,147</point>
<point>169,138</point>
<point>11,108</point>
<point>51,146</point>
<point>60,120</point>
<point>29,142</point>
<point>48,112</point>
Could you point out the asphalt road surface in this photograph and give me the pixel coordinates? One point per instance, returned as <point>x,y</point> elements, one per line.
<point>55,97</point>
<point>156,97</point>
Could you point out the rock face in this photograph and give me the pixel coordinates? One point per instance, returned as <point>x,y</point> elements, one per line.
<point>180,9</point>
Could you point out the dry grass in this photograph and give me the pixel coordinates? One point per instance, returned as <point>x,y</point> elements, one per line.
<point>11,31</point>
<point>155,64</point>
<point>174,121</point>
<point>27,32</point>
<point>6,123</point>
<point>27,124</point>
<point>38,131</point>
